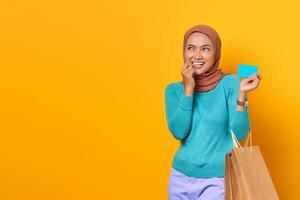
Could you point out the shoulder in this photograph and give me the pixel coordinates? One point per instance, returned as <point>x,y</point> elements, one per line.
<point>229,78</point>
<point>231,81</point>
<point>173,87</point>
<point>231,84</point>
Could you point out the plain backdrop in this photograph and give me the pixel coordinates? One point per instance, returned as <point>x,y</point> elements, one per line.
<point>82,92</point>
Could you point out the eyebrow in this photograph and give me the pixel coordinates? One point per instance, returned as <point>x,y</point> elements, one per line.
<point>201,46</point>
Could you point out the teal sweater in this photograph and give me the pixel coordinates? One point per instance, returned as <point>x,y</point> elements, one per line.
<point>202,124</point>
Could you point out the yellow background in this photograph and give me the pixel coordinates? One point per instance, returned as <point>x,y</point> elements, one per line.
<point>82,92</point>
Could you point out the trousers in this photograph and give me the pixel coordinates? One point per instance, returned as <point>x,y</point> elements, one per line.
<point>183,187</point>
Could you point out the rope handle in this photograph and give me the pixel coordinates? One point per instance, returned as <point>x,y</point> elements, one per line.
<point>236,142</point>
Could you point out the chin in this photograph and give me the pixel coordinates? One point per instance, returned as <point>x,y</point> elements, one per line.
<point>198,72</point>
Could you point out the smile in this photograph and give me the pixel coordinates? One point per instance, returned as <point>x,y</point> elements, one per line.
<point>198,64</point>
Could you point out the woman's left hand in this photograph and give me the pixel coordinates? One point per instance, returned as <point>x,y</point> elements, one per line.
<point>250,83</point>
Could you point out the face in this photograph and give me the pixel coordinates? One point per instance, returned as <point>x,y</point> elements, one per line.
<point>200,47</point>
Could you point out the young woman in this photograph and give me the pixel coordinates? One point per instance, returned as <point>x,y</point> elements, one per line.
<point>200,111</point>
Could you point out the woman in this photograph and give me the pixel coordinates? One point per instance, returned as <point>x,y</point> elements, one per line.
<point>200,111</point>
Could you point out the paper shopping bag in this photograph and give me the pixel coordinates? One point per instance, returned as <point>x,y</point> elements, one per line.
<point>246,174</point>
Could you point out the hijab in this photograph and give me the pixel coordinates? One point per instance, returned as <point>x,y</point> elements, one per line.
<point>210,79</point>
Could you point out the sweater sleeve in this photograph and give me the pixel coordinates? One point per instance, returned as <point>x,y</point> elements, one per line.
<point>179,108</point>
<point>239,121</point>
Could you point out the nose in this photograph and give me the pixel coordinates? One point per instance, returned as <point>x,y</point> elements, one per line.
<point>198,55</point>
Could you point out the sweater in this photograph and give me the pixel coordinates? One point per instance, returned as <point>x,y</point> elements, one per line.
<point>202,124</point>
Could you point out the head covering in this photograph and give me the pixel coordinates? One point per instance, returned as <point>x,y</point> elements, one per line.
<point>210,79</point>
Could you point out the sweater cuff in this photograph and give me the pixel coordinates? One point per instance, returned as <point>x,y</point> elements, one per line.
<point>186,102</point>
<point>242,113</point>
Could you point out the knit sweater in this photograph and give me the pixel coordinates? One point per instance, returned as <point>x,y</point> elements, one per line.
<point>202,124</point>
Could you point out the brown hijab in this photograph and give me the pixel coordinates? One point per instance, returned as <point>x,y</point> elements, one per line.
<point>210,79</point>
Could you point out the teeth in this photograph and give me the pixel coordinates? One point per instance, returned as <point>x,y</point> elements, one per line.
<point>196,63</point>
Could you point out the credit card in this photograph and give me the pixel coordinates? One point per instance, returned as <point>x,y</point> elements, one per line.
<point>245,70</point>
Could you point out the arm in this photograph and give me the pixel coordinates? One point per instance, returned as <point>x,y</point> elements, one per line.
<point>179,110</point>
<point>238,116</point>
<point>242,96</point>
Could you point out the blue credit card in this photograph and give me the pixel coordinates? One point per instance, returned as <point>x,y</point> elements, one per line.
<point>245,70</point>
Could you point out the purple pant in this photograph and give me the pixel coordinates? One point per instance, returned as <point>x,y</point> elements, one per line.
<point>183,187</point>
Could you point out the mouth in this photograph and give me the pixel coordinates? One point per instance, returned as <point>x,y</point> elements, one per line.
<point>198,64</point>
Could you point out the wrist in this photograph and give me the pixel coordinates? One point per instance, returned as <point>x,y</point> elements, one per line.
<point>188,91</point>
<point>242,101</point>
<point>242,96</point>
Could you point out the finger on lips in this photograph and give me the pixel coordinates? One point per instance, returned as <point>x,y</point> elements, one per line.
<point>190,60</point>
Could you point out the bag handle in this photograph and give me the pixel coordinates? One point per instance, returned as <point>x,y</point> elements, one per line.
<point>236,142</point>
<point>249,136</point>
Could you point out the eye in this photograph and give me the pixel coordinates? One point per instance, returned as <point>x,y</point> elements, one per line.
<point>206,48</point>
<point>189,48</point>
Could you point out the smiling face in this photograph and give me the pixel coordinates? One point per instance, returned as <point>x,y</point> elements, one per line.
<point>200,47</point>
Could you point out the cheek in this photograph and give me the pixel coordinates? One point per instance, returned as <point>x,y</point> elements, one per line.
<point>187,57</point>
<point>188,54</point>
<point>210,57</point>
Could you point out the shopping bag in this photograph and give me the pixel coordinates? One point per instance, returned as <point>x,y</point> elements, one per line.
<point>246,174</point>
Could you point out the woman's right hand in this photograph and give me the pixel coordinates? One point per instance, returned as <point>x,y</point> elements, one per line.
<point>187,75</point>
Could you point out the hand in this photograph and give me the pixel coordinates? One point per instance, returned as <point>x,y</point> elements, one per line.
<point>250,83</point>
<point>187,73</point>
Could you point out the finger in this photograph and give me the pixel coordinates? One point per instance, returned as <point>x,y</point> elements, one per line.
<point>187,63</point>
<point>254,79</point>
<point>259,76</point>
<point>255,82</point>
<point>187,72</point>
<point>250,79</point>
<point>188,66</point>
<point>190,70</point>
<point>256,76</point>
<point>252,76</point>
